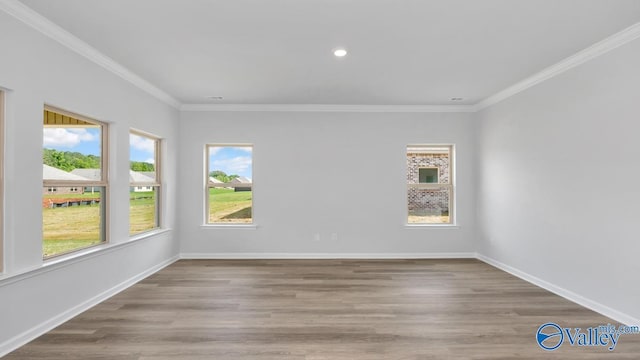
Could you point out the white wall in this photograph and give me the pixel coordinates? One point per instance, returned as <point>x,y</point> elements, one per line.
<point>559,193</point>
<point>38,70</point>
<point>557,181</point>
<point>324,173</point>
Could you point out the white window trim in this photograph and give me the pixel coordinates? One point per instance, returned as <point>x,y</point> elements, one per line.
<point>157,183</point>
<point>103,182</point>
<point>2,107</point>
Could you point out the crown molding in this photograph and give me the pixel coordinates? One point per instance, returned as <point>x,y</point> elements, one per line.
<point>30,17</point>
<point>329,108</point>
<point>600,48</point>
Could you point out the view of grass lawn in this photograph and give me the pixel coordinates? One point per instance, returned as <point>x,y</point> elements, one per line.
<point>428,219</point>
<point>229,206</point>
<point>142,212</point>
<point>71,228</point>
<point>422,216</point>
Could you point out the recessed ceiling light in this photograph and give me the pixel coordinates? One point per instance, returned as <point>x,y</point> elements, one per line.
<point>214,97</point>
<point>340,52</point>
<point>457,99</point>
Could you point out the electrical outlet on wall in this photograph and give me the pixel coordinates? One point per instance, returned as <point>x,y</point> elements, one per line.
<point>334,236</point>
<point>316,237</point>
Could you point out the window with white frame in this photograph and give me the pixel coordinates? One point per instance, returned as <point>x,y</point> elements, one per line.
<point>430,184</point>
<point>144,182</point>
<point>1,180</point>
<point>229,189</point>
<point>74,174</point>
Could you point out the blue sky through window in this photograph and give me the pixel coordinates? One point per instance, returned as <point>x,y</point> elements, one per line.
<point>142,148</point>
<point>233,160</point>
<point>85,140</point>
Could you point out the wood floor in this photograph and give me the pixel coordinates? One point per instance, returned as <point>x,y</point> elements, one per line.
<point>324,309</point>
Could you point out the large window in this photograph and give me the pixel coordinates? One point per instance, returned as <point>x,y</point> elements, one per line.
<point>144,183</point>
<point>229,190</point>
<point>430,184</point>
<point>1,181</point>
<point>74,172</point>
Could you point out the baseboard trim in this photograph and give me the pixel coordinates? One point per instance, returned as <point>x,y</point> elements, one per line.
<point>29,335</point>
<point>271,256</point>
<point>569,295</point>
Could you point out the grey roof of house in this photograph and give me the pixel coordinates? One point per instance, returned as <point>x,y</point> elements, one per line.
<point>52,173</point>
<point>151,174</point>
<point>214,180</point>
<point>241,180</point>
<point>139,177</point>
<point>88,174</point>
<point>94,174</point>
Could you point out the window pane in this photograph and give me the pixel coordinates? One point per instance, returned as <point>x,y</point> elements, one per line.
<point>428,206</point>
<point>428,165</point>
<point>1,181</point>
<point>72,218</point>
<point>71,148</point>
<point>142,158</point>
<point>229,184</point>
<point>143,180</point>
<point>429,184</point>
<point>143,208</point>
<point>229,206</point>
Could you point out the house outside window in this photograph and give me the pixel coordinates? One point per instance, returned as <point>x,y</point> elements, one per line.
<point>74,176</point>
<point>430,184</point>
<point>145,185</point>
<point>229,184</point>
<point>428,175</point>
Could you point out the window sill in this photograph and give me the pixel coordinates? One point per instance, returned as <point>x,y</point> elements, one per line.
<point>230,226</point>
<point>149,233</point>
<point>431,226</point>
<point>61,261</point>
<point>98,249</point>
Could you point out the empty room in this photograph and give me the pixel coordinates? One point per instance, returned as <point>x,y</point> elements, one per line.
<point>319,179</point>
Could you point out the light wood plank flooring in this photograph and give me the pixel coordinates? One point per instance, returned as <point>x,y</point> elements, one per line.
<point>324,309</point>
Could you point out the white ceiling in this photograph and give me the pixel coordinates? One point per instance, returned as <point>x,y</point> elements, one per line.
<point>401,52</point>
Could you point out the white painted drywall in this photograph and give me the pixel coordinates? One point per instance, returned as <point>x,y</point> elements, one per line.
<point>558,191</point>
<point>557,169</point>
<point>324,173</point>
<point>38,70</point>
